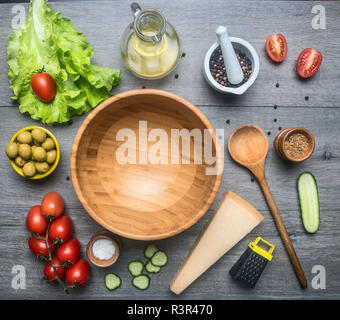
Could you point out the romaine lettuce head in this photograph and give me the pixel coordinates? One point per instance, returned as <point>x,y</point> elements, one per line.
<point>50,41</point>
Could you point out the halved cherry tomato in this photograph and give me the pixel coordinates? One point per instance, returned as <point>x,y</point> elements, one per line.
<point>43,86</point>
<point>61,228</point>
<point>52,204</point>
<point>49,271</point>
<point>35,221</point>
<point>39,247</point>
<point>276,46</point>
<point>78,273</point>
<point>69,251</point>
<point>308,63</point>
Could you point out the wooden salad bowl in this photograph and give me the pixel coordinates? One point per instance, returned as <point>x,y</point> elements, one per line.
<point>151,196</point>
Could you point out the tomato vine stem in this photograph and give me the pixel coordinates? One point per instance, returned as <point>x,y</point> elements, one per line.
<point>50,256</point>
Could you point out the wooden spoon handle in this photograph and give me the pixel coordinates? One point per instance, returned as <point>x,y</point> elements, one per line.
<point>282,230</point>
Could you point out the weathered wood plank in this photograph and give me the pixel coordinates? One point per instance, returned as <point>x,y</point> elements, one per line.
<point>248,19</point>
<point>281,175</point>
<point>18,195</point>
<point>277,282</point>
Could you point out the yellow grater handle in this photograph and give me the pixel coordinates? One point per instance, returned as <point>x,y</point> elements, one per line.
<point>267,254</point>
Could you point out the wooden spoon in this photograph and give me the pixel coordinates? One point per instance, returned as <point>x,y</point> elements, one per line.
<point>248,145</point>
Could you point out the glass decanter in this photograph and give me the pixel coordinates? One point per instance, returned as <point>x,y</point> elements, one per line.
<point>150,46</point>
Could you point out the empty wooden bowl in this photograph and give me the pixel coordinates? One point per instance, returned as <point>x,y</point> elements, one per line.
<point>145,200</point>
<point>89,252</point>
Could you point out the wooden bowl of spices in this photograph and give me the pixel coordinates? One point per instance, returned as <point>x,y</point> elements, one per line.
<point>214,69</point>
<point>294,144</point>
<point>103,249</point>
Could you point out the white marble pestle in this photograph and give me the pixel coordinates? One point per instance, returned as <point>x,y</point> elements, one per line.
<point>233,68</point>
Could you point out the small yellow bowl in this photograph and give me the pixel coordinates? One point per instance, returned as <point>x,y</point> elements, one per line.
<point>38,175</point>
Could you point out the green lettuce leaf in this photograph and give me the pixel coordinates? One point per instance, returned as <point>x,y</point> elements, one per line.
<point>50,41</point>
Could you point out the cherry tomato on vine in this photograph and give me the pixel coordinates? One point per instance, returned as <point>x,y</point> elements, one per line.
<point>49,271</point>
<point>78,273</point>
<point>43,86</point>
<point>276,46</point>
<point>39,247</point>
<point>308,63</point>
<point>69,251</point>
<point>35,221</point>
<point>52,204</point>
<point>61,228</point>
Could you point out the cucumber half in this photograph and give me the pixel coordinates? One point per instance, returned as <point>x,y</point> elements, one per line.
<point>136,268</point>
<point>309,201</point>
<point>149,267</point>
<point>159,259</point>
<point>141,282</point>
<point>112,281</point>
<point>150,250</point>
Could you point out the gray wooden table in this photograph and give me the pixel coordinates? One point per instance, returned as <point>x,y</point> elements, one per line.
<point>313,104</point>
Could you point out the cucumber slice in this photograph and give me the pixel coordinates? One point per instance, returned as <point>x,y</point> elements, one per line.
<point>112,281</point>
<point>141,282</point>
<point>159,259</point>
<point>150,250</point>
<point>149,267</point>
<point>136,268</point>
<point>309,201</point>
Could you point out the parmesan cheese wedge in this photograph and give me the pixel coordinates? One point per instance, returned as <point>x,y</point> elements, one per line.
<point>234,218</point>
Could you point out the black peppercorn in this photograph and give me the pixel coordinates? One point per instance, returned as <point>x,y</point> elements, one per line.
<point>218,70</point>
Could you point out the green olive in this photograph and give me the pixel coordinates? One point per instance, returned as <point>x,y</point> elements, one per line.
<point>48,144</point>
<point>29,169</point>
<point>24,137</point>
<point>51,156</point>
<point>12,150</point>
<point>39,135</point>
<point>39,154</point>
<point>33,148</point>
<point>19,161</point>
<point>25,151</point>
<point>42,167</point>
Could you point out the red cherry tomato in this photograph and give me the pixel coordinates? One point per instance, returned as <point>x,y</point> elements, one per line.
<point>43,86</point>
<point>78,273</point>
<point>38,246</point>
<point>35,221</point>
<point>308,63</point>
<point>49,271</point>
<point>276,46</point>
<point>61,228</point>
<point>69,251</point>
<point>52,204</point>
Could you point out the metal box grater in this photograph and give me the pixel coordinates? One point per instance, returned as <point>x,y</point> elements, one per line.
<point>251,264</point>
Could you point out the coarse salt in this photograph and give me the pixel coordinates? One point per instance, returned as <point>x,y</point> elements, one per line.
<point>103,249</point>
